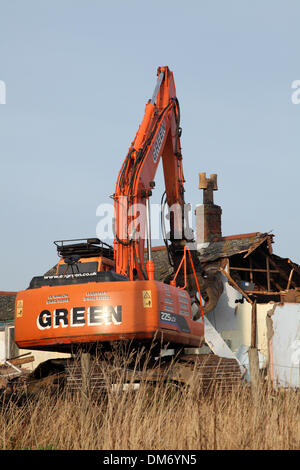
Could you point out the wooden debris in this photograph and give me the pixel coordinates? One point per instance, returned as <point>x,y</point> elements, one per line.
<point>290,278</point>
<point>20,361</point>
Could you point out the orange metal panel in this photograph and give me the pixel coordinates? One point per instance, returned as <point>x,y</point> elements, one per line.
<point>108,311</point>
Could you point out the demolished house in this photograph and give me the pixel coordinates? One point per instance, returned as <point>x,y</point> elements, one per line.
<point>258,305</point>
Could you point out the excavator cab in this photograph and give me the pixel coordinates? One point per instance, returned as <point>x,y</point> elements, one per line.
<point>86,256</point>
<point>80,260</point>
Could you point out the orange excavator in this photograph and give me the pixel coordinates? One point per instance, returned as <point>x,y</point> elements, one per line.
<point>101,294</point>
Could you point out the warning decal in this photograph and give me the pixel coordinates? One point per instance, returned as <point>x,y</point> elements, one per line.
<point>19,308</point>
<point>147,298</point>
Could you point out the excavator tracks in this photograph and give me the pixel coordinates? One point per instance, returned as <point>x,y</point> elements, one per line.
<point>203,373</point>
<point>207,372</point>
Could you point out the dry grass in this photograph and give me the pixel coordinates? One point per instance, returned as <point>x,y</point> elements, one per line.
<point>161,417</point>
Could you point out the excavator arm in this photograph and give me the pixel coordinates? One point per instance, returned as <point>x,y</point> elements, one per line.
<point>158,137</point>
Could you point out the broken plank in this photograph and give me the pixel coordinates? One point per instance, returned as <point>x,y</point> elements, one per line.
<point>290,279</point>
<point>281,271</point>
<point>268,273</point>
<point>263,292</point>
<point>258,270</point>
<point>20,361</point>
<point>21,355</point>
<point>253,325</point>
<point>256,245</point>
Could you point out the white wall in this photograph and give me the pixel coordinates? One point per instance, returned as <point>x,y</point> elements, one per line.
<point>285,345</point>
<point>223,317</point>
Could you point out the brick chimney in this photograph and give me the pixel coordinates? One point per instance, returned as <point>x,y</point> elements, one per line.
<point>208,215</point>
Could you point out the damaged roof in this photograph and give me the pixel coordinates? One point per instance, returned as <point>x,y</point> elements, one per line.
<point>225,247</point>
<point>222,247</point>
<point>251,259</point>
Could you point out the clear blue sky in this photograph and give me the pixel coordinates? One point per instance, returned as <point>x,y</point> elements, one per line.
<point>78,74</point>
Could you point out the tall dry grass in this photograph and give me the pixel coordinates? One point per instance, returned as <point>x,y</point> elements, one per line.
<point>157,417</point>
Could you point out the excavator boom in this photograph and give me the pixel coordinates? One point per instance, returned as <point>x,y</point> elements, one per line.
<point>158,137</point>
